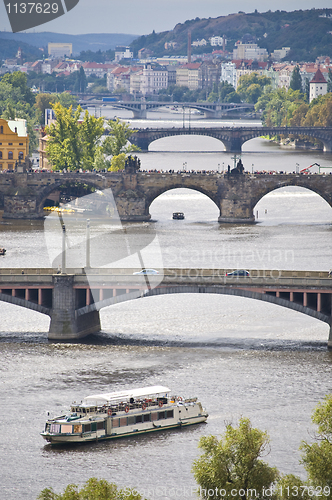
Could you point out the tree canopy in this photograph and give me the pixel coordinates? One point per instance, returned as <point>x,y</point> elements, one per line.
<point>232,465</point>
<point>71,143</point>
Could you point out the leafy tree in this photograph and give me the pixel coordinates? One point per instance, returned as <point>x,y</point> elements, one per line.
<point>93,489</point>
<point>72,144</point>
<point>234,463</point>
<point>296,80</point>
<point>63,145</point>
<point>117,140</point>
<point>317,457</point>
<point>118,162</point>
<point>91,129</point>
<point>251,86</point>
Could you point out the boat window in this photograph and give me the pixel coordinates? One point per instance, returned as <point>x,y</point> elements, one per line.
<point>123,421</point>
<point>66,429</point>
<point>170,414</point>
<point>115,422</point>
<point>161,415</point>
<point>77,429</point>
<point>87,427</point>
<point>139,419</point>
<point>146,417</point>
<point>154,416</point>
<point>55,428</point>
<point>100,425</point>
<point>131,420</point>
<point>94,426</point>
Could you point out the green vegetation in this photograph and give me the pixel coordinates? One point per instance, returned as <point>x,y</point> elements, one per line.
<point>233,464</point>
<point>72,144</point>
<point>116,144</point>
<point>93,489</point>
<point>17,101</point>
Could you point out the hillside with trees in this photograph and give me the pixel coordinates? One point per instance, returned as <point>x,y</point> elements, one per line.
<point>307,32</point>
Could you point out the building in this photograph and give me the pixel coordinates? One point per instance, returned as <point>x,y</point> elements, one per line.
<point>318,86</point>
<point>153,79</point>
<point>123,53</point>
<point>189,75</point>
<point>249,51</point>
<point>60,49</point>
<point>14,143</point>
<point>228,73</point>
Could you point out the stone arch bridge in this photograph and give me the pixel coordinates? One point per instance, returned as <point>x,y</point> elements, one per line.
<point>22,195</point>
<point>232,137</point>
<point>73,302</point>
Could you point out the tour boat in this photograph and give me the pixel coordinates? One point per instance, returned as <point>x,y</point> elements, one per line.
<point>125,413</point>
<point>2,251</point>
<point>178,215</point>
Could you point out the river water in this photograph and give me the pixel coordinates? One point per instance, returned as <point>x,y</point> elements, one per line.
<point>240,357</point>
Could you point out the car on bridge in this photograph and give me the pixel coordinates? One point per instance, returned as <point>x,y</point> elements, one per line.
<point>238,272</point>
<point>146,271</point>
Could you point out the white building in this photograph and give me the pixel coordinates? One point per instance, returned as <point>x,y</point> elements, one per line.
<point>123,53</point>
<point>279,54</point>
<point>153,80</point>
<point>60,49</point>
<point>249,51</point>
<point>217,41</point>
<point>318,86</point>
<point>228,73</point>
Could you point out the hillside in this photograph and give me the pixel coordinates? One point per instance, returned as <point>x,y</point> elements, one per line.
<point>306,32</point>
<point>91,41</point>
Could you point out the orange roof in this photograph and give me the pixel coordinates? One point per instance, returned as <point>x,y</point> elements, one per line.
<point>318,78</point>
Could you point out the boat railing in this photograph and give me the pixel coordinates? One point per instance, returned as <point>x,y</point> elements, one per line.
<point>125,406</point>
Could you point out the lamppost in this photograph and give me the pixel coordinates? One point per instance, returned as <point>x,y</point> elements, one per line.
<point>297,168</point>
<point>63,260</point>
<point>88,244</point>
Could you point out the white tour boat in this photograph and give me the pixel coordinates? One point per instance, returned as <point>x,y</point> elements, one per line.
<point>123,413</point>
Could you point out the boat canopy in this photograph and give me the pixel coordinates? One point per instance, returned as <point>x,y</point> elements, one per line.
<point>120,395</point>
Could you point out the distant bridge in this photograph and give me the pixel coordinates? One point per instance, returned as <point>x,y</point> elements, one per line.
<point>232,137</point>
<point>73,301</point>
<point>140,108</point>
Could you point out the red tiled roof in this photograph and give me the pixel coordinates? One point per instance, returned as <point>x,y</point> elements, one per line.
<point>318,78</point>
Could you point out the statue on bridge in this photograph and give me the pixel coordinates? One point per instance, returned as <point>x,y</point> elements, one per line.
<point>132,164</point>
<point>238,170</point>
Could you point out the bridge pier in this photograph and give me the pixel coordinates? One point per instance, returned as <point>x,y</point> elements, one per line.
<point>65,323</point>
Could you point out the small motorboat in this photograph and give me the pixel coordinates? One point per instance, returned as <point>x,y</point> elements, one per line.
<point>178,215</point>
<point>2,251</point>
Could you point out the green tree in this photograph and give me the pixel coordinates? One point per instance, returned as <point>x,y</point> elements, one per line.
<point>91,129</point>
<point>63,145</point>
<point>118,162</point>
<point>251,86</point>
<point>317,457</point>
<point>93,489</point>
<point>233,464</point>
<point>117,140</point>
<point>296,80</point>
<point>72,144</point>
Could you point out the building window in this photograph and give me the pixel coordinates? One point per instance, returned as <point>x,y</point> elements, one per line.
<point>0,154</point>
<point>10,166</point>
<point>10,155</point>
<point>20,155</point>
<point>10,143</point>
<point>20,144</point>
<point>1,129</point>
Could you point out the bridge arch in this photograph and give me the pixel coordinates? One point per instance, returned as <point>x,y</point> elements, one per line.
<point>301,182</point>
<point>208,289</point>
<point>45,192</point>
<point>186,143</point>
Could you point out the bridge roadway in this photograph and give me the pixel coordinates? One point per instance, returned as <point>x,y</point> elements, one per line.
<point>140,108</point>
<point>73,300</point>
<point>232,137</point>
<point>23,195</point>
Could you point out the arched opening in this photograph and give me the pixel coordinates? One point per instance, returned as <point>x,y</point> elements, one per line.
<point>189,143</point>
<point>195,206</point>
<point>67,193</point>
<point>293,205</point>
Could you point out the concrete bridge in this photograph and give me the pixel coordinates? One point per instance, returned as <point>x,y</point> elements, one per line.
<point>22,195</point>
<point>232,138</point>
<point>140,108</point>
<point>73,301</point>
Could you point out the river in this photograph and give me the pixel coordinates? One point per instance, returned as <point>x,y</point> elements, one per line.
<point>240,357</point>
